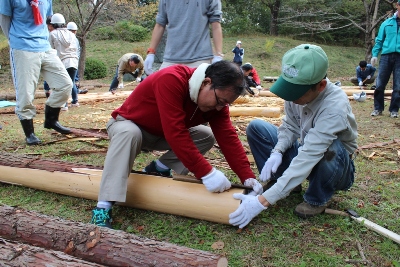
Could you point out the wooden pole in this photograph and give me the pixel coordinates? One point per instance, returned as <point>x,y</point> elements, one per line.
<point>144,191</point>
<point>98,244</point>
<point>271,112</point>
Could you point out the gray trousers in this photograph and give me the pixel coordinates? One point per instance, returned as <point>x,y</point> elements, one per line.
<point>126,142</point>
<point>26,68</point>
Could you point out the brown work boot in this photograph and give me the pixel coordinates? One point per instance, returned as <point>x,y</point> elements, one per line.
<point>305,210</point>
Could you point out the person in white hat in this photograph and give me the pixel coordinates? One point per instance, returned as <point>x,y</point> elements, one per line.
<point>315,141</point>
<point>239,52</point>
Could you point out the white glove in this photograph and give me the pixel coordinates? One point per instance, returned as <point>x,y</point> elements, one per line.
<point>360,83</point>
<point>148,64</point>
<point>374,60</point>
<point>216,181</point>
<point>271,166</point>
<point>369,77</point>
<point>257,187</point>
<point>249,208</point>
<point>216,59</point>
<point>120,85</point>
<point>259,87</point>
<point>138,80</point>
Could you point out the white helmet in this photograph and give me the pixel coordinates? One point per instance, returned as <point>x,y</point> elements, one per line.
<point>361,97</point>
<point>57,18</point>
<point>72,26</point>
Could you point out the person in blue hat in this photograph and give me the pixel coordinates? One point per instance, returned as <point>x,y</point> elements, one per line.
<point>315,141</point>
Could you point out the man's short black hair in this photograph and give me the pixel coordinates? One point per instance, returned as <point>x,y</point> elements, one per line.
<point>48,20</point>
<point>226,75</point>
<point>135,59</point>
<point>363,63</point>
<point>247,67</point>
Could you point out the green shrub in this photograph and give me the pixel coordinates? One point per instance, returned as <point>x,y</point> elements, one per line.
<point>123,30</point>
<point>130,32</point>
<point>103,33</point>
<point>94,69</point>
<point>269,45</point>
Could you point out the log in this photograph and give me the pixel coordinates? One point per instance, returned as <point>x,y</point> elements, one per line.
<point>350,92</point>
<point>271,112</point>
<point>267,93</point>
<point>17,254</point>
<point>98,244</point>
<point>270,78</point>
<point>147,192</point>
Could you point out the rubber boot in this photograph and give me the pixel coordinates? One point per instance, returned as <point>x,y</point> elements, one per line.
<point>51,120</point>
<point>31,138</point>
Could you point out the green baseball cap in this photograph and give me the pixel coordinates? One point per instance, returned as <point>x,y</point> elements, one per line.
<point>302,67</point>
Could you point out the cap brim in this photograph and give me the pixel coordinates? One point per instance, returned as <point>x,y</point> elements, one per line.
<point>288,91</point>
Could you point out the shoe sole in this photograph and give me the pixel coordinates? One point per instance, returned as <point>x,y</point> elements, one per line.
<point>305,216</point>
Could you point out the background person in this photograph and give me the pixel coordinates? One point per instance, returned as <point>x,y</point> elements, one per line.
<point>238,52</point>
<point>129,63</point>
<point>387,42</point>
<point>64,42</point>
<point>30,56</point>
<point>315,141</point>
<point>188,27</point>
<point>72,27</point>
<point>364,74</point>
<point>167,112</point>
<point>251,75</point>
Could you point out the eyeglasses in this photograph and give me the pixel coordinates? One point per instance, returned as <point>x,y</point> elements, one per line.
<point>219,104</point>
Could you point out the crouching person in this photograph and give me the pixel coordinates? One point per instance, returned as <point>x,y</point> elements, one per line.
<point>319,116</point>
<point>167,111</point>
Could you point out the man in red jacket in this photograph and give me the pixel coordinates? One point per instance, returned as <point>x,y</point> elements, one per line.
<point>167,111</point>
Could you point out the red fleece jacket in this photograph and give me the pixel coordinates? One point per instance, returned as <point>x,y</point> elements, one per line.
<point>161,105</point>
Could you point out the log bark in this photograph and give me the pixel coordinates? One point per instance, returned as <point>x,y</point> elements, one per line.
<point>17,255</point>
<point>98,244</point>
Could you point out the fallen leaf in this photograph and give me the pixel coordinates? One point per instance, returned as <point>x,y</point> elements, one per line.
<point>218,245</point>
<point>265,253</point>
<point>140,228</point>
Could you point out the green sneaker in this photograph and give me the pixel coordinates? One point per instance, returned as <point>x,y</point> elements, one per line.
<point>305,210</point>
<point>101,217</point>
<point>152,169</point>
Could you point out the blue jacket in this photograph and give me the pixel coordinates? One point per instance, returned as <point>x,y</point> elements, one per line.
<point>388,39</point>
<point>239,52</point>
<point>362,75</point>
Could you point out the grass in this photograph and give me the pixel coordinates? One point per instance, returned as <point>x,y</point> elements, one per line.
<point>276,237</point>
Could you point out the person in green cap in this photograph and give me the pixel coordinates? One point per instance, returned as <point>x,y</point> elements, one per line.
<point>316,140</point>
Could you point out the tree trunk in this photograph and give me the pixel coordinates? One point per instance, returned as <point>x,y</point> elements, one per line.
<point>98,244</point>
<point>17,254</point>
<point>274,7</point>
<point>82,58</point>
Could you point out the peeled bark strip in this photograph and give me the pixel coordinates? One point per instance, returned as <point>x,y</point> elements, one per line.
<point>17,255</point>
<point>97,244</point>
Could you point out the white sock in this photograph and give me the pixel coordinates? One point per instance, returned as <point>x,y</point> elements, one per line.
<point>104,205</point>
<point>161,166</point>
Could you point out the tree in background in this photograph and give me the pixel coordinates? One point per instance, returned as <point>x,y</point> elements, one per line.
<point>89,14</point>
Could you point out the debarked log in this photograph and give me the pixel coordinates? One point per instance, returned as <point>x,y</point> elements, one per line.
<point>271,112</point>
<point>350,92</point>
<point>147,192</point>
<point>18,254</point>
<point>98,244</point>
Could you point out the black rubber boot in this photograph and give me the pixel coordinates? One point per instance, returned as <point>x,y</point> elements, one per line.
<point>31,138</point>
<point>51,120</point>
